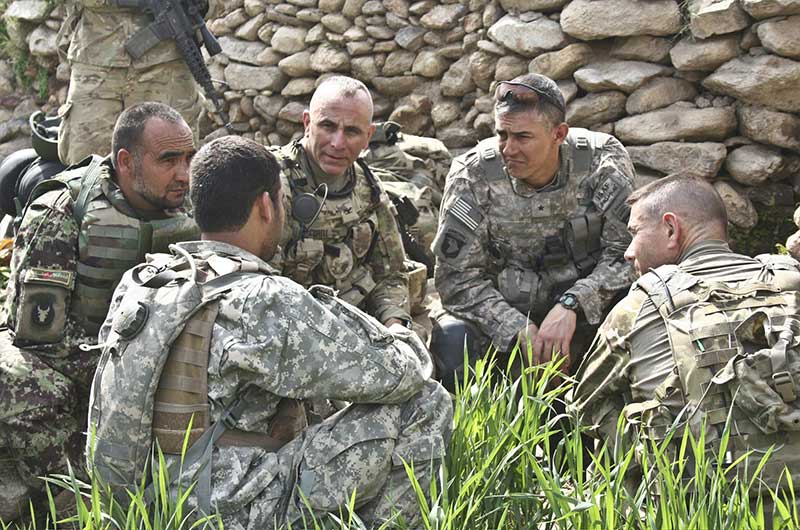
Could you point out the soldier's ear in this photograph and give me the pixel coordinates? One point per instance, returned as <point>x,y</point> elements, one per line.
<point>560,133</point>
<point>306,121</point>
<point>123,163</point>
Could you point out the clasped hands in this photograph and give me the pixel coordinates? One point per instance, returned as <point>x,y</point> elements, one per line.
<point>554,335</point>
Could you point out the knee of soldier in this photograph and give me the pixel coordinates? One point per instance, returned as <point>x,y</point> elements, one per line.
<point>452,339</point>
<point>427,423</point>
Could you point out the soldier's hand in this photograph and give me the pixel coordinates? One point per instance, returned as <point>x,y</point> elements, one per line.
<point>527,340</point>
<point>392,321</point>
<point>555,335</point>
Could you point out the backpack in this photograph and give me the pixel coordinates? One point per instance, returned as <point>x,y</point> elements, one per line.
<point>736,349</point>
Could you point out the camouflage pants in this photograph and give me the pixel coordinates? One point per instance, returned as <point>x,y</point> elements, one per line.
<point>40,424</point>
<point>361,448</point>
<point>97,95</point>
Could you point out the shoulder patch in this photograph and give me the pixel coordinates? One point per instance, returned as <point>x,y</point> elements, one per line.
<point>63,278</point>
<point>606,193</point>
<point>452,244</point>
<point>466,213</point>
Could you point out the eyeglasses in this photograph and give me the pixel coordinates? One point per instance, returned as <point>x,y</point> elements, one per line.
<point>509,90</point>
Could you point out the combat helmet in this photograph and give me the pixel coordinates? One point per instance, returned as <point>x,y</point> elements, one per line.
<point>44,135</point>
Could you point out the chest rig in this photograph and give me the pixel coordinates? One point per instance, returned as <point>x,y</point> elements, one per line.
<point>736,349</point>
<point>112,237</point>
<point>336,246</point>
<point>542,241</point>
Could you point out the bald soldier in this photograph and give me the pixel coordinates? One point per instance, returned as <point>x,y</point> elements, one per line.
<point>340,229</point>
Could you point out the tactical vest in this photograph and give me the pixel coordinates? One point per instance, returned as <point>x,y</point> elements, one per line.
<point>112,239</point>
<point>735,348</point>
<point>151,383</point>
<point>561,228</point>
<point>334,250</point>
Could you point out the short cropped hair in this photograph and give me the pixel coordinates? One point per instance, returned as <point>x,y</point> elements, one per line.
<point>691,197</point>
<point>340,86</point>
<point>130,125</point>
<point>551,107</point>
<point>227,175</point>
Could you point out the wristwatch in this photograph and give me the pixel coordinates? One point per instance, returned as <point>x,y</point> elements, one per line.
<point>569,301</point>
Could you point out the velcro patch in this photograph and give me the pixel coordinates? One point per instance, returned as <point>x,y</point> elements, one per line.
<point>466,213</point>
<point>62,278</point>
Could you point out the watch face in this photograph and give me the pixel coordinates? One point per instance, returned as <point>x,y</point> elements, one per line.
<point>569,301</point>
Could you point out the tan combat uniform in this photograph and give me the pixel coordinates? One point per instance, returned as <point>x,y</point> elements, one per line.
<point>353,245</point>
<point>105,80</point>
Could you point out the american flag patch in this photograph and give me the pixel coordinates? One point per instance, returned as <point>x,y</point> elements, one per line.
<point>466,213</point>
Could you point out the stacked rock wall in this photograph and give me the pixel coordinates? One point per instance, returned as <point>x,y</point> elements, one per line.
<point>711,89</point>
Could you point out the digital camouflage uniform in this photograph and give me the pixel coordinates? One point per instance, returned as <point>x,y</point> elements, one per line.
<point>62,278</point>
<point>272,340</point>
<point>105,80</point>
<point>506,251</point>
<point>354,244</point>
<point>631,366</point>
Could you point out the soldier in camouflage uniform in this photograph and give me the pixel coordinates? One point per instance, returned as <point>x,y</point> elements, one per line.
<point>80,232</point>
<point>270,343</point>
<point>532,232</point>
<point>353,244</point>
<point>105,79</point>
<point>641,366</point>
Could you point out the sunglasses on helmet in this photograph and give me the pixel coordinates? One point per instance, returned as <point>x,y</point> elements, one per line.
<point>509,90</point>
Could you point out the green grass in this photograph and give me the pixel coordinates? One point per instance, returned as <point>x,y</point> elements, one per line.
<point>504,471</point>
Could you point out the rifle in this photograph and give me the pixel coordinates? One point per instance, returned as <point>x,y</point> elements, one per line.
<point>182,22</point>
<point>407,215</point>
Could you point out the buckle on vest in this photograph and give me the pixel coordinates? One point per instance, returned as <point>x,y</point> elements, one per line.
<point>581,142</point>
<point>784,384</point>
<point>489,153</point>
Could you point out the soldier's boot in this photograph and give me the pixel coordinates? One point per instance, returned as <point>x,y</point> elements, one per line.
<point>15,494</point>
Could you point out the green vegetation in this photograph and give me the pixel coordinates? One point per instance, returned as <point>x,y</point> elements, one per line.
<point>30,75</point>
<point>504,471</point>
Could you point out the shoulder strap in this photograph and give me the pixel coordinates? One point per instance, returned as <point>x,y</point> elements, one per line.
<point>89,182</point>
<point>375,187</point>
<point>491,161</point>
<point>668,288</point>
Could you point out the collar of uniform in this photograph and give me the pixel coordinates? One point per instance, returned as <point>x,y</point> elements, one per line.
<point>701,248</point>
<point>311,168</point>
<point>524,189</point>
<point>208,246</point>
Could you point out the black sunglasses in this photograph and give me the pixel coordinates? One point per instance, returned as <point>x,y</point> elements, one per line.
<point>508,90</point>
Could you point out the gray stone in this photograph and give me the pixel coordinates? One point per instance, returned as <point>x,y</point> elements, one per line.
<point>268,57</point>
<point>509,67</point>
<point>354,34</point>
<point>412,119</point>
<point>331,6</point>
<point>706,54</point>
<point>568,89</point>
<point>771,8</point>
<point>315,35</point>
<point>300,86</point>
<point>249,30</point>
<point>755,164</point>
<point>373,7</point>
<point>254,7</point>
<point>265,33</point>
<point>618,75</point>
<point>385,46</point>
<point>765,80</point>
<point>17,144</point>
<point>380,33</point>
<point>302,3</point>
<point>458,134</point>
<point>473,22</point>
<point>398,7</point>
<point>781,36</point>
<point>518,6</point>
<point>292,112</point>
<point>328,58</point>
<point>364,68</point>
<point>599,19</point>
<point>410,38</point>
<point>481,67</point>
<point>770,127</point>
<point>42,42</point>
<point>242,76</point>
<point>352,8</point>
<point>444,16</point>
<point>702,159</point>
<point>396,86</point>
<point>561,64</point>
<point>398,62</point>
<point>358,48</point>
<point>642,48</point>
<point>29,10</point>
<point>288,39</point>
<point>429,64</point>
<point>598,107</point>
<point>336,22</point>
<point>457,81</point>
<point>421,7</point>
<point>445,112</point>
<point>677,122</point>
<point>296,65</point>
<point>491,47</point>
<point>528,38</point>
<point>11,128</point>
<point>484,125</point>
<point>716,17</point>
<point>242,51</point>
<point>312,16</point>
<point>660,92</point>
<point>740,210</point>
<point>394,22</point>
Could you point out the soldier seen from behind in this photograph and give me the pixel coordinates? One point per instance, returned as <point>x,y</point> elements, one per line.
<point>79,233</point>
<point>705,337</point>
<point>532,233</point>
<point>230,346</point>
<point>340,228</point>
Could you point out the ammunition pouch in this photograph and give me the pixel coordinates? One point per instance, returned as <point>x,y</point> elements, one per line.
<point>359,288</point>
<point>520,288</point>
<point>307,254</point>
<point>582,236</point>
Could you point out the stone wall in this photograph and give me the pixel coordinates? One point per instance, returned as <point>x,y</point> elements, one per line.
<point>713,89</point>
